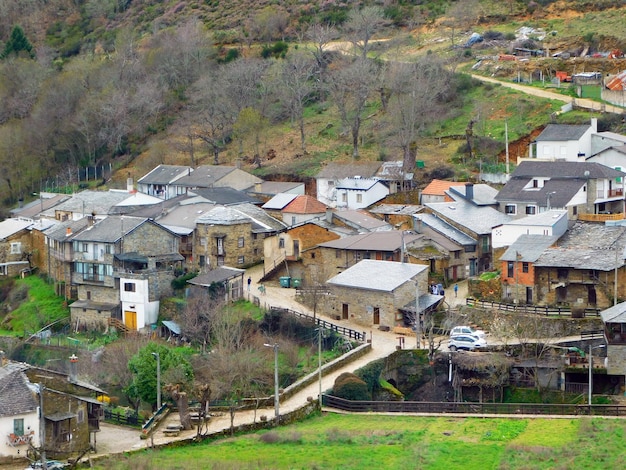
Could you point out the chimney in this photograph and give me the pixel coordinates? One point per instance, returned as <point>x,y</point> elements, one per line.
<point>594,125</point>
<point>130,187</point>
<point>68,231</point>
<point>257,187</point>
<point>417,224</point>
<point>73,367</point>
<point>329,215</point>
<point>469,191</point>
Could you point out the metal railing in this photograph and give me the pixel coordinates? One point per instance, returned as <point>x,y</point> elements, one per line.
<point>471,408</point>
<point>342,330</point>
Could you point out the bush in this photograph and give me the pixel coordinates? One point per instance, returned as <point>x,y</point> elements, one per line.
<point>181,281</point>
<point>278,50</point>
<point>350,387</point>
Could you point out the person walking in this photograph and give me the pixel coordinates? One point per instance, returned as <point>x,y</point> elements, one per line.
<point>456,289</point>
<point>249,282</point>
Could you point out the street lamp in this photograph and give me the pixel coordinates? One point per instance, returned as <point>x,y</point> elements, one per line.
<point>591,369</point>
<point>548,196</point>
<point>319,362</point>
<point>276,397</point>
<point>418,332</point>
<point>158,359</point>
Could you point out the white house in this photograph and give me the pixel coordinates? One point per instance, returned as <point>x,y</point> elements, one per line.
<point>159,182</point>
<point>358,193</point>
<point>552,223</point>
<point>563,142</point>
<point>137,309</point>
<point>19,411</point>
<point>613,157</point>
<point>329,176</point>
<point>604,140</point>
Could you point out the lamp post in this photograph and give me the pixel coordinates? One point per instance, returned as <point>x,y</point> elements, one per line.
<point>158,359</point>
<point>591,348</point>
<point>418,329</point>
<point>319,362</point>
<point>548,196</point>
<point>276,397</point>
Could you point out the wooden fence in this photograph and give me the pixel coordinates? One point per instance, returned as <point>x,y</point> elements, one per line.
<point>534,309</point>
<point>471,408</point>
<point>121,418</point>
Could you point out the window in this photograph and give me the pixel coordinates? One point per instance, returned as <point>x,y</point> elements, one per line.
<point>254,236</point>
<point>457,255</point>
<point>240,260</point>
<point>525,267</point>
<point>80,416</point>
<point>85,247</point>
<point>293,220</point>
<point>344,197</point>
<point>535,183</point>
<point>203,241</point>
<point>281,243</point>
<point>240,242</point>
<point>3,270</point>
<point>88,295</point>
<point>256,251</point>
<point>510,269</point>
<point>359,198</point>
<point>129,287</point>
<point>220,261</point>
<point>16,248</point>
<point>510,209</point>
<point>575,210</point>
<point>337,253</point>
<point>531,210</point>
<point>202,261</point>
<point>18,426</point>
<point>107,249</point>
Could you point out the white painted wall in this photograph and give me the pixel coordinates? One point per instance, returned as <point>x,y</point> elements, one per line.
<point>31,423</point>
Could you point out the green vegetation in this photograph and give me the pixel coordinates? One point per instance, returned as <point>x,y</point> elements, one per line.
<point>35,305</point>
<point>354,442</point>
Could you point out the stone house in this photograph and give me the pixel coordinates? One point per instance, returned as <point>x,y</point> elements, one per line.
<point>122,266</point>
<point>436,190</point>
<point>71,410</point>
<point>584,269</point>
<point>232,236</point>
<point>301,209</point>
<point>96,204</point>
<point>15,247</point>
<point>19,411</point>
<point>374,293</point>
<point>228,282</point>
<point>614,319</point>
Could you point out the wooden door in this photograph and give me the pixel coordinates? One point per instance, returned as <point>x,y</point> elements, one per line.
<point>376,316</point>
<point>130,320</point>
<point>344,312</point>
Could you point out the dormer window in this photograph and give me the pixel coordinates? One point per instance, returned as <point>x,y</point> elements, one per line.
<point>535,183</point>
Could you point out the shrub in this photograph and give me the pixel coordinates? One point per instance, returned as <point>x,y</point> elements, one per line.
<point>350,387</point>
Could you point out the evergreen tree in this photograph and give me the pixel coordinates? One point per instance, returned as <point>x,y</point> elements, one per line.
<point>17,43</point>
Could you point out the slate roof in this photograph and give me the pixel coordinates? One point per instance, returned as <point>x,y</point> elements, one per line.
<point>279,201</point>
<point>164,174</point>
<point>10,227</point>
<point>484,195</point>
<point>377,275</point>
<point>185,215</point>
<point>576,170</point>
<point>614,314</point>
<point>219,274</point>
<point>356,184</point>
<point>60,231</point>
<point>528,248</point>
<point>16,397</point>
<point>562,132</point>
<point>89,202</point>
<point>346,170</point>
<point>305,204</point>
<point>424,302</point>
<point>134,202</point>
<point>447,243</point>
<point>397,209</point>
<point>447,230</point>
<point>478,219</point>
<point>111,229</point>
<point>390,171</point>
<point>617,148</point>
<point>242,213</point>
<point>39,205</point>
<point>564,190</point>
<point>373,241</point>
<point>275,187</point>
<point>361,220</point>
<point>155,211</point>
<point>587,246</point>
<point>224,196</point>
<point>543,219</point>
<point>209,175</point>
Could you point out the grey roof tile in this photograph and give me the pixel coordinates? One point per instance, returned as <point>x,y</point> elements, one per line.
<point>16,397</point>
<point>563,132</point>
<point>478,219</point>
<point>377,275</point>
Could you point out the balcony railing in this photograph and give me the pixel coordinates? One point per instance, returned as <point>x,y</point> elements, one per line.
<point>20,440</point>
<point>602,194</point>
<point>600,217</point>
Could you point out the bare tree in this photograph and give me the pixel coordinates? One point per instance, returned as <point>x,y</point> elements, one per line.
<point>350,85</point>
<point>321,35</point>
<point>362,25</point>
<point>416,95</point>
<point>295,86</point>
<point>200,314</point>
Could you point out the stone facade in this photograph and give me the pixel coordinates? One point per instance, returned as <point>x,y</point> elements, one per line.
<point>14,251</point>
<point>227,245</point>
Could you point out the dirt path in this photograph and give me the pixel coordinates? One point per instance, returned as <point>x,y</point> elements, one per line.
<point>529,90</point>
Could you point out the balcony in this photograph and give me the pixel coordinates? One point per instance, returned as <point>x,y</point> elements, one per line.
<point>600,217</point>
<point>611,193</point>
<point>15,440</point>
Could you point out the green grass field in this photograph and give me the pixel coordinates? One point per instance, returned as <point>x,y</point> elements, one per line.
<point>333,441</point>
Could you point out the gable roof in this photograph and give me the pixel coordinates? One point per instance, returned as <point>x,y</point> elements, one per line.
<point>376,275</point>
<point>45,202</point>
<point>361,220</point>
<point>478,219</point>
<point>207,176</point>
<point>563,132</point>
<point>305,204</point>
<point>528,248</point>
<point>219,274</point>
<point>439,187</point>
<point>397,209</point>
<point>337,171</point>
<point>240,214</point>
<point>279,201</point>
<point>89,203</point>
<point>614,314</point>
<point>111,229</point>
<point>276,187</point>
<point>481,194</point>
<point>357,184</point>
<point>445,229</point>
<point>164,174</point>
<point>67,230</point>
<point>185,215</point>
<point>224,195</point>
<point>16,397</point>
<point>569,170</point>
<point>10,227</point>
<point>390,171</point>
<point>373,241</point>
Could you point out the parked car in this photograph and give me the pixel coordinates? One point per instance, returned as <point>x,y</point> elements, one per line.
<point>466,330</point>
<point>466,342</point>
<point>50,465</point>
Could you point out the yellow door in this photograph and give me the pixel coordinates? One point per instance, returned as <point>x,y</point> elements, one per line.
<point>130,320</point>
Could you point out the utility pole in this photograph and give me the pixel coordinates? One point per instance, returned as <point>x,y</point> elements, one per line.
<point>276,388</point>
<point>42,429</point>
<point>158,371</point>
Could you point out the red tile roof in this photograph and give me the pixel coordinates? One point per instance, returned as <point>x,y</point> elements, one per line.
<point>438,187</point>
<point>305,204</point>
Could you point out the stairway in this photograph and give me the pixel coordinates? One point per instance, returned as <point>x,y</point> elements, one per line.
<point>119,325</point>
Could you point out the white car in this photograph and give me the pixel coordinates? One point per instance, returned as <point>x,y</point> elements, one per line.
<point>466,330</point>
<point>466,342</point>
